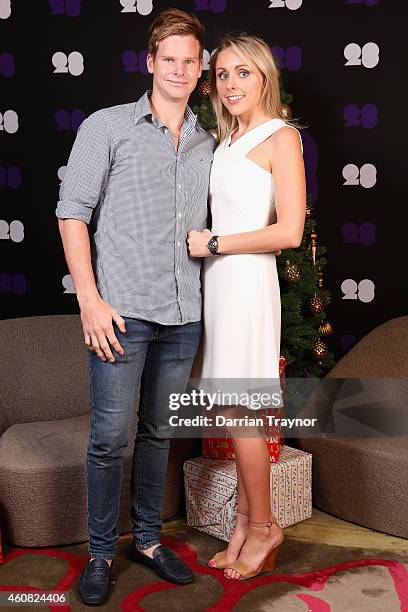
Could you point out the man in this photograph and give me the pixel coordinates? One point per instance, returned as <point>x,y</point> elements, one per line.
<point>142,171</point>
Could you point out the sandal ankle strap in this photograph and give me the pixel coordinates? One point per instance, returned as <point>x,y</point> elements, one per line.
<point>271,521</point>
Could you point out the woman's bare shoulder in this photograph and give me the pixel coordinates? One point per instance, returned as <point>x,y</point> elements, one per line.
<point>286,140</point>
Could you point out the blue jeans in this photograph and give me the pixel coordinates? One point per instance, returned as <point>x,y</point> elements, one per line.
<point>159,357</point>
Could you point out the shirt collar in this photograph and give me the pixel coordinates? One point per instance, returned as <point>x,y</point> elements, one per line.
<point>143,109</point>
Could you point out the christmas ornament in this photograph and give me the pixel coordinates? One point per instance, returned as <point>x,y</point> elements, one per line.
<point>320,275</point>
<point>316,304</point>
<point>286,111</point>
<point>313,246</point>
<point>291,272</point>
<point>325,328</point>
<point>320,349</point>
<point>204,89</point>
<point>309,211</point>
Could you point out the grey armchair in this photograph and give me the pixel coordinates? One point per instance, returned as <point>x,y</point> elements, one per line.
<point>44,424</point>
<point>364,480</point>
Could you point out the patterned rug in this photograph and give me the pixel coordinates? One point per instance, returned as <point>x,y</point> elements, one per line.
<point>308,577</point>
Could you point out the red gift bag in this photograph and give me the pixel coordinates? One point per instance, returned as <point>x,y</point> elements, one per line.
<point>223,448</point>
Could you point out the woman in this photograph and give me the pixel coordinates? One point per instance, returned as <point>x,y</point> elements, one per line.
<point>258,202</point>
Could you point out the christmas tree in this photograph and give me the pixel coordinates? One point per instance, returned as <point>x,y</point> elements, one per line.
<point>300,273</point>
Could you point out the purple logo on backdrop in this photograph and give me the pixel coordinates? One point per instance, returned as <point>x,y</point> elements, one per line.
<point>10,176</point>
<point>311,157</point>
<point>290,58</point>
<point>134,62</point>
<point>13,283</point>
<point>347,342</point>
<point>7,64</point>
<point>366,2</point>
<point>216,6</point>
<point>354,233</point>
<point>366,116</point>
<point>72,8</point>
<point>69,120</point>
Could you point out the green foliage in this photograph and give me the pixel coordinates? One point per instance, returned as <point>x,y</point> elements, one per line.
<point>205,113</point>
<point>285,97</point>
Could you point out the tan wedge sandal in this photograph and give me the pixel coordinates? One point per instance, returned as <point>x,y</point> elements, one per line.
<point>267,566</point>
<point>220,558</point>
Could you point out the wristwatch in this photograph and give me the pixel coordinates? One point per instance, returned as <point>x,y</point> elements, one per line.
<point>213,245</point>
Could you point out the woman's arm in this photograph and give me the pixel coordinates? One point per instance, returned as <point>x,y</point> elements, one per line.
<point>286,161</point>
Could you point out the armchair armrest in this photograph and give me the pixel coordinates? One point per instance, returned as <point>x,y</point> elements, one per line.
<point>4,424</point>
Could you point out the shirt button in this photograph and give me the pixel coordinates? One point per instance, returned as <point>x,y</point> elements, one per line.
<point>178,270</point>
<point>179,186</point>
<point>179,215</point>
<point>178,243</point>
<point>165,130</point>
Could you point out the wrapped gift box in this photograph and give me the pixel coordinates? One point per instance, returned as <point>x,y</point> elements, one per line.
<point>223,448</point>
<point>211,492</point>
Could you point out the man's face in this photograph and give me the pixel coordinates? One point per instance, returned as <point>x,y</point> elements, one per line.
<point>176,67</point>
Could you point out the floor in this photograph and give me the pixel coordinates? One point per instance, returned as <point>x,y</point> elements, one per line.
<point>323,528</point>
<point>325,565</point>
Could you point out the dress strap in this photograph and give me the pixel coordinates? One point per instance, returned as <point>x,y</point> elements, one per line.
<point>254,137</point>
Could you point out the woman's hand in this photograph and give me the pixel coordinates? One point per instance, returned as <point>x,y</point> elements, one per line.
<point>197,243</point>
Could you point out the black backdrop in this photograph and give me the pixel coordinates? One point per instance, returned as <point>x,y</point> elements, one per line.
<point>353,136</point>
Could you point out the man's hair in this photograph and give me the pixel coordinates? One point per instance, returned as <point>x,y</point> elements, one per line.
<point>174,22</point>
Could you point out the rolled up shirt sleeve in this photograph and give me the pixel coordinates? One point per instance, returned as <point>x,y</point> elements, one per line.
<point>87,170</point>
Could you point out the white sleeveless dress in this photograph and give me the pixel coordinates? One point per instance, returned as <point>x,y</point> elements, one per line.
<point>242,309</point>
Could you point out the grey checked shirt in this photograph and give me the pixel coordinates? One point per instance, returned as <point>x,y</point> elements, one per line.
<point>144,197</point>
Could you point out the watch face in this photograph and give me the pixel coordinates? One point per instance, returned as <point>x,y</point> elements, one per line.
<point>213,245</point>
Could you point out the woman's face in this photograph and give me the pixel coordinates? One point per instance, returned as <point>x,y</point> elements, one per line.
<point>239,85</point>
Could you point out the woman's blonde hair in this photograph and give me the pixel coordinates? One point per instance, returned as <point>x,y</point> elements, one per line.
<point>258,55</point>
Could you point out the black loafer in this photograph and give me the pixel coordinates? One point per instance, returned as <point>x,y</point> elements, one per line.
<point>165,563</point>
<point>94,585</point>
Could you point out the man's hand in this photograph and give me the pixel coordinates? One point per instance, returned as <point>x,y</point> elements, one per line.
<point>197,243</point>
<point>96,317</point>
